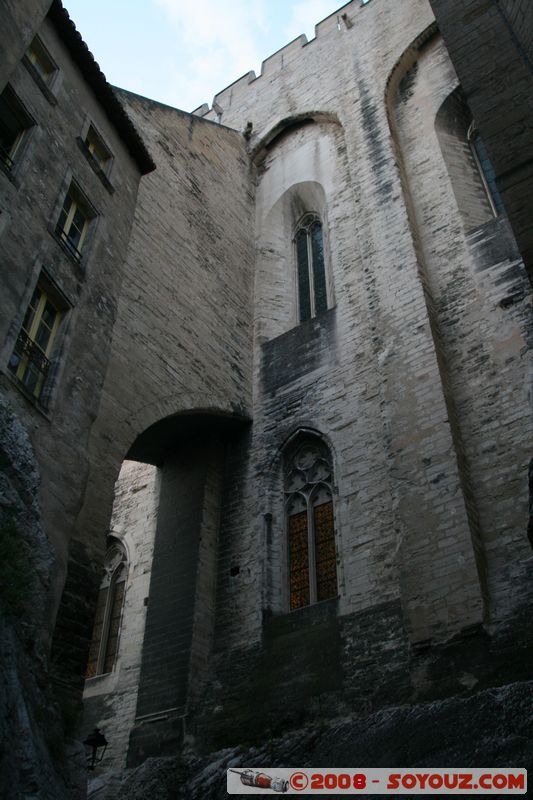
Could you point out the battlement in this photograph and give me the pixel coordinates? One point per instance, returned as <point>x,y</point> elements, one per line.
<point>341,21</point>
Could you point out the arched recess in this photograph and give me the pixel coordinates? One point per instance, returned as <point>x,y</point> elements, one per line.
<point>461,247</point>
<point>277,283</point>
<point>301,170</point>
<point>470,171</point>
<point>286,126</point>
<point>422,79</point>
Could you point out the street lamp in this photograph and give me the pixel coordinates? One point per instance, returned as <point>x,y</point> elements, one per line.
<point>95,741</point>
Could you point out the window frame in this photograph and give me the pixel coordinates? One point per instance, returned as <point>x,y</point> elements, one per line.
<point>116,572</point>
<point>78,202</point>
<point>90,142</point>
<point>308,495</point>
<point>26,344</point>
<point>36,59</point>
<point>315,272</point>
<point>94,142</point>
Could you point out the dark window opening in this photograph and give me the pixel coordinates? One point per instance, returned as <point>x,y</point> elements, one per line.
<point>14,122</point>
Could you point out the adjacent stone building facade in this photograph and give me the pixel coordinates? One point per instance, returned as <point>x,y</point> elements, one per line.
<point>310,327</point>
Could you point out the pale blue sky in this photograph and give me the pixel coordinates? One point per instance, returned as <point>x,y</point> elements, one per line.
<point>182,52</point>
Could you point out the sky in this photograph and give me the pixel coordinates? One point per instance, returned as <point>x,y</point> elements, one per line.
<point>182,52</point>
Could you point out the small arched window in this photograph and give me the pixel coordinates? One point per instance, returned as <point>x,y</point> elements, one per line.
<point>312,288</point>
<point>104,642</point>
<point>485,169</point>
<point>310,525</point>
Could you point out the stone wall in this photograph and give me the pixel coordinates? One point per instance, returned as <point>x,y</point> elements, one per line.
<point>479,294</point>
<point>179,626</point>
<point>519,17</point>
<point>86,288</point>
<point>181,343</point>
<point>179,370</point>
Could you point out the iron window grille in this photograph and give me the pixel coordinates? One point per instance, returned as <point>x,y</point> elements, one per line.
<point>30,360</point>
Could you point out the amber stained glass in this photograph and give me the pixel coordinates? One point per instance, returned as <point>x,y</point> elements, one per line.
<point>298,560</point>
<point>325,558</point>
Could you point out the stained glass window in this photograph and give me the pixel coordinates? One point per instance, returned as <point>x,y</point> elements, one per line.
<point>310,523</point>
<point>105,635</point>
<point>299,560</point>
<point>312,290</point>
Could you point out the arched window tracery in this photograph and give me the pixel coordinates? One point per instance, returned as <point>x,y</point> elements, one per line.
<point>104,642</point>
<point>310,523</point>
<point>311,272</point>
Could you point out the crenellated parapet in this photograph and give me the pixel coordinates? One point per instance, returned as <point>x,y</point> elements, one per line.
<point>340,22</point>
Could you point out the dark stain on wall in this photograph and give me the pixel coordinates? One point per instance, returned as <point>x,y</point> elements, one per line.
<point>289,357</point>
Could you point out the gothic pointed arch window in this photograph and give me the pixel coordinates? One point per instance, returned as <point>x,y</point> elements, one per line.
<point>311,272</point>
<point>310,523</point>
<point>104,642</point>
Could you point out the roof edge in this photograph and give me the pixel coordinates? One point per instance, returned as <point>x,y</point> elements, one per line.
<point>103,91</point>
